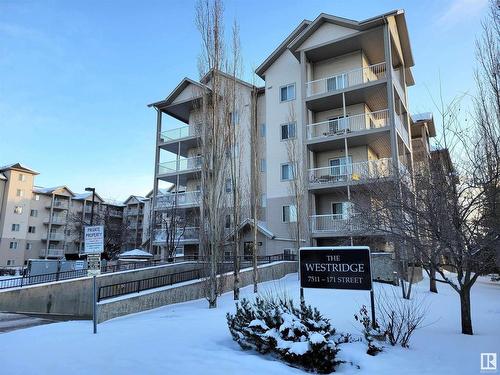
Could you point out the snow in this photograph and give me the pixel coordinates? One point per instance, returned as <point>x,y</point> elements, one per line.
<point>189,338</point>
<point>136,253</point>
<point>426,116</point>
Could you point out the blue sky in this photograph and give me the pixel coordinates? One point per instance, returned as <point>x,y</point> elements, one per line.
<point>76,76</point>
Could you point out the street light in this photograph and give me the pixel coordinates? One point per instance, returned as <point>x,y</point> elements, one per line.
<point>92,208</point>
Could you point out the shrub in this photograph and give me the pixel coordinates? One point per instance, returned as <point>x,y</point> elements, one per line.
<point>369,332</point>
<point>300,336</point>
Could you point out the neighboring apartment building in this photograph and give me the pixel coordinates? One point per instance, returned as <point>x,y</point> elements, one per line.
<point>338,87</point>
<point>47,223</point>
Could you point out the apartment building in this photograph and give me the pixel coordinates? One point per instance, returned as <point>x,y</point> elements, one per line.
<point>334,86</point>
<point>47,223</point>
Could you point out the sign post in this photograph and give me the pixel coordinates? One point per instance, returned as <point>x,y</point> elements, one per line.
<point>94,246</point>
<point>346,267</point>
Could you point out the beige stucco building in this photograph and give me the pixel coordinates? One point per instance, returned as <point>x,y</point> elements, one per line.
<point>338,88</point>
<point>46,223</point>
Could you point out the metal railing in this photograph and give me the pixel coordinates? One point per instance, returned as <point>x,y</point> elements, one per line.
<point>183,234</point>
<point>180,133</point>
<point>136,286</point>
<point>54,236</point>
<point>56,219</point>
<point>401,128</point>
<point>346,79</point>
<point>334,223</point>
<point>180,165</point>
<point>343,125</point>
<point>41,279</point>
<point>351,172</point>
<point>59,253</point>
<point>187,198</point>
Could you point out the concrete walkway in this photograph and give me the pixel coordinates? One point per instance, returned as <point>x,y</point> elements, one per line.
<point>11,322</point>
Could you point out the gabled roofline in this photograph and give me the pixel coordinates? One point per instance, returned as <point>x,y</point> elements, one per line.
<point>175,92</point>
<point>280,49</point>
<point>18,167</point>
<point>206,77</point>
<point>49,191</point>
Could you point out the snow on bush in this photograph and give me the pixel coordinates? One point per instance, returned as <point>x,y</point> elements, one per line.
<point>300,336</point>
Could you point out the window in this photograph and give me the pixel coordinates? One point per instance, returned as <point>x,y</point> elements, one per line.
<point>263,200</point>
<point>29,245</point>
<point>287,92</point>
<point>11,262</point>
<point>289,214</point>
<point>18,210</point>
<point>34,213</point>
<point>235,118</point>
<point>228,222</point>
<point>341,210</point>
<point>336,83</point>
<point>262,165</point>
<point>288,131</point>
<point>37,197</point>
<point>228,185</point>
<point>21,177</point>
<point>338,124</point>
<point>262,130</point>
<point>20,193</point>
<point>31,229</point>
<point>15,227</point>
<point>341,167</point>
<point>13,245</point>
<point>287,172</point>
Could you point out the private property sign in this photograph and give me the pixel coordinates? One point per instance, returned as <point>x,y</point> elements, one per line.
<point>335,267</point>
<point>94,239</point>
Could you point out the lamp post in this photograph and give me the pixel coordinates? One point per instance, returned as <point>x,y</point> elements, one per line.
<point>92,208</point>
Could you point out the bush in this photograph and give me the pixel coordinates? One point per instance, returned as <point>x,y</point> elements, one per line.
<point>371,332</point>
<point>300,336</point>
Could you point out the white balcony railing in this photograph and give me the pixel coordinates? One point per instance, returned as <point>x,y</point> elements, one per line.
<point>351,172</point>
<point>346,79</point>
<point>56,219</point>
<point>187,198</point>
<point>180,133</point>
<point>403,132</point>
<point>55,236</point>
<point>343,125</point>
<point>183,234</point>
<point>56,253</point>
<point>334,223</point>
<point>180,165</point>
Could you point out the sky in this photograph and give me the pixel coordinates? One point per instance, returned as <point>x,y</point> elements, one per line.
<point>76,76</point>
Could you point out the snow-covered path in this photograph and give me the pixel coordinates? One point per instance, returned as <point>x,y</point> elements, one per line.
<point>188,338</point>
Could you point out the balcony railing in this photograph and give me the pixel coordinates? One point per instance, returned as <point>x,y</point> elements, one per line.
<point>56,253</point>
<point>187,198</point>
<point>334,223</point>
<point>180,133</point>
<point>346,79</point>
<point>343,125</point>
<point>180,165</point>
<point>63,205</point>
<point>403,132</point>
<point>351,172</point>
<point>57,220</point>
<point>54,236</point>
<point>183,234</point>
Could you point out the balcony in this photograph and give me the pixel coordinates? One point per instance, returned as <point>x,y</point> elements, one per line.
<point>54,236</point>
<point>185,199</point>
<point>334,224</point>
<point>58,205</point>
<point>56,220</point>
<point>180,140</point>
<point>186,235</point>
<point>52,253</point>
<point>336,129</point>
<point>402,130</point>
<point>346,80</point>
<point>187,168</point>
<point>354,173</point>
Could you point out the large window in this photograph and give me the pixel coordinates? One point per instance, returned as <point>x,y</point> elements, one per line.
<point>34,213</point>
<point>18,210</point>
<point>341,167</point>
<point>263,130</point>
<point>13,245</point>
<point>21,177</point>
<point>228,185</point>
<point>15,227</point>
<point>288,131</point>
<point>31,229</point>
<point>287,92</point>
<point>262,165</point>
<point>20,193</point>
<point>336,83</point>
<point>289,214</point>
<point>287,172</point>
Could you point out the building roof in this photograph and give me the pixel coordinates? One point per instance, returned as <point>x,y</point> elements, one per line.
<point>136,253</point>
<point>178,89</point>
<point>136,197</point>
<point>206,78</point>
<point>261,227</point>
<point>306,28</point>
<point>18,167</point>
<point>51,190</point>
<point>426,119</point>
<point>86,195</point>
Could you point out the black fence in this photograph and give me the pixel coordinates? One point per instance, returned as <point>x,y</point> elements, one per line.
<point>136,286</point>
<point>245,261</point>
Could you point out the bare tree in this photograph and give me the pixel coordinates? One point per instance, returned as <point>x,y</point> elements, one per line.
<point>297,185</point>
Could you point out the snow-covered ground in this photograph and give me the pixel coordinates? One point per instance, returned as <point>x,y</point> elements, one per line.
<point>189,338</point>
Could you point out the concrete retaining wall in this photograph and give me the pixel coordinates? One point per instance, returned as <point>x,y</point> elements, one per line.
<point>183,292</point>
<point>74,297</point>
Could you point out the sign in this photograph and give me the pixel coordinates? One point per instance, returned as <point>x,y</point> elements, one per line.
<point>93,264</point>
<point>94,239</point>
<point>335,267</point>
<point>79,265</point>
